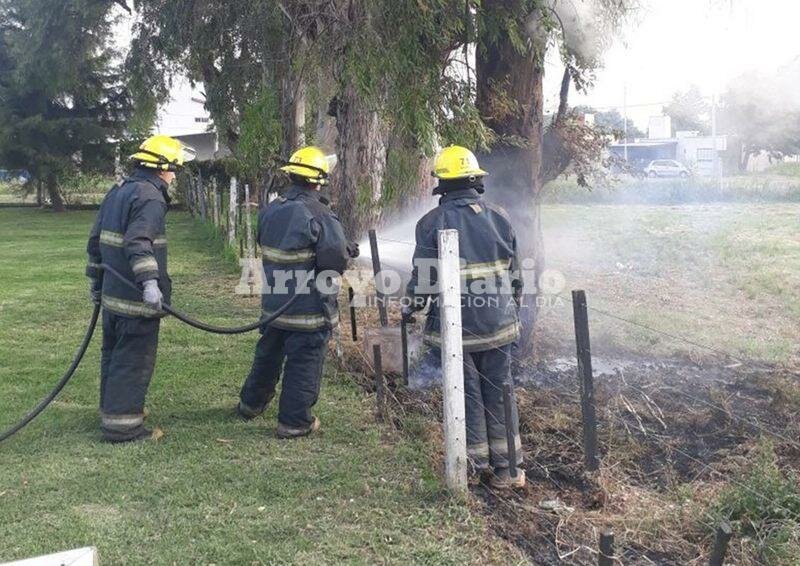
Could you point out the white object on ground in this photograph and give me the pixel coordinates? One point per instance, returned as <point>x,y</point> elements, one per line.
<point>86,556</point>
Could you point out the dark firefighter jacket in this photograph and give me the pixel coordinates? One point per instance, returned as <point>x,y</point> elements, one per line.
<point>301,238</point>
<point>490,277</point>
<point>129,235</point>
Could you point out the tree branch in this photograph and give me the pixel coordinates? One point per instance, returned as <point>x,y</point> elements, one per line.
<point>123,4</point>
<point>563,95</point>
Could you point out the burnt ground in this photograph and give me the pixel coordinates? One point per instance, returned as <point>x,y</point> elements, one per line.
<point>672,434</point>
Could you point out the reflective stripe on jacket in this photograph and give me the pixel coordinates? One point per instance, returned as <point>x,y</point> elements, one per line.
<point>129,235</point>
<point>489,270</point>
<point>300,238</point>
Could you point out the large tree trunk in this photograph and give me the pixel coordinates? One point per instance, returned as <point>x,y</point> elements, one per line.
<point>292,105</point>
<point>361,152</point>
<point>509,98</point>
<point>56,201</point>
<point>293,112</point>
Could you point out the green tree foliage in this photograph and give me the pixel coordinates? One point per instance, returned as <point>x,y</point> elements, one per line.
<point>61,92</point>
<point>211,42</point>
<point>392,78</point>
<point>512,43</point>
<point>689,110</point>
<point>374,70</point>
<point>762,109</point>
<point>611,122</point>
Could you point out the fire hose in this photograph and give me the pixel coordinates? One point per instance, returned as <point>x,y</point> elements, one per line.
<point>87,338</point>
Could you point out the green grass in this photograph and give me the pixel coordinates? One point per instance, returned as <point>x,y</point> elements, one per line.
<point>753,187</point>
<point>722,275</point>
<point>213,489</point>
<point>785,169</point>
<point>10,193</point>
<point>764,505</point>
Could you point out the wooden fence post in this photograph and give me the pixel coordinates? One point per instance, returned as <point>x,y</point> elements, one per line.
<point>353,324</point>
<point>218,205</point>
<point>508,399</point>
<point>721,539</point>
<point>376,269</point>
<point>190,194</point>
<point>606,556</point>
<point>214,209</point>
<point>233,203</point>
<point>588,411</point>
<point>201,194</point>
<point>404,349</point>
<point>455,432</point>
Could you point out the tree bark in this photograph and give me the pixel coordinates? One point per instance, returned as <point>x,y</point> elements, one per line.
<point>51,183</point>
<point>293,112</point>
<point>361,151</point>
<point>509,98</point>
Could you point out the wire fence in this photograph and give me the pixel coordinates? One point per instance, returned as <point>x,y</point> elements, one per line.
<point>229,211</point>
<point>619,416</point>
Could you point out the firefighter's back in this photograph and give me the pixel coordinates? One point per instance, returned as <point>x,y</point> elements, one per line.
<point>487,246</point>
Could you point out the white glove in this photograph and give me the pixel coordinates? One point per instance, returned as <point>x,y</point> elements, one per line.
<point>152,294</point>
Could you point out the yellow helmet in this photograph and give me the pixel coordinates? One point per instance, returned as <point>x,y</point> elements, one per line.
<point>309,162</point>
<point>163,152</point>
<point>456,162</point>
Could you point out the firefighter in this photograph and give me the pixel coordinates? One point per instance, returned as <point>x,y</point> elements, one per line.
<point>491,294</point>
<point>129,235</point>
<point>304,251</point>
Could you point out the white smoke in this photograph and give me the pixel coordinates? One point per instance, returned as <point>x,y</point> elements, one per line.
<point>587,27</point>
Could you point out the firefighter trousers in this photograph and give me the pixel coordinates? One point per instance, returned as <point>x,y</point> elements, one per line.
<point>485,373</point>
<point>300,355</point>
<point>127,361</point>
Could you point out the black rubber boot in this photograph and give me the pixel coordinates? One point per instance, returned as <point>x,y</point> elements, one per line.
<point>502,479</point>
<point>285,431</point>
<point>249,413</point>
<point>135,435</point>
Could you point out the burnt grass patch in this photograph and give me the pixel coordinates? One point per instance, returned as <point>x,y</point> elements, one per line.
<point>673,435</point>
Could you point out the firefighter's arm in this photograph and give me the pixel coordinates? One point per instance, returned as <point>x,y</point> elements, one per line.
<point>93,269</point>
<point>423,276</point>
<point>331,246</point>
<point>144,225</point>
<point>515,270</point>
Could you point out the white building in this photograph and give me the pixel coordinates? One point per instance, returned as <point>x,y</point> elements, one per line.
<point>700,154</point>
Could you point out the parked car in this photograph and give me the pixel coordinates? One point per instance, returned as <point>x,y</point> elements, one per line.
<point>666,168</point>
<point>14,176</point>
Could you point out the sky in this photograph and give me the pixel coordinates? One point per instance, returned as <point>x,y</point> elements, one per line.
<point>667,46</point>
<point>672,44</point>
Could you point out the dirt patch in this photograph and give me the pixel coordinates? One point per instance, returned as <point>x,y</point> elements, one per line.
<point>675,435</point>
<point>672,434</point>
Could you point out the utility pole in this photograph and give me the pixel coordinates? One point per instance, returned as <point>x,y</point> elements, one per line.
<point>715,155</point>
<point>625,119</point>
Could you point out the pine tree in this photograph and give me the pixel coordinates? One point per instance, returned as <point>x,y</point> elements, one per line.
<point>62,99</point>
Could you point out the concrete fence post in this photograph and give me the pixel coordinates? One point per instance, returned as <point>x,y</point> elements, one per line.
<point>233,204</point>
<point>248,222</point>
<point>455,431</point>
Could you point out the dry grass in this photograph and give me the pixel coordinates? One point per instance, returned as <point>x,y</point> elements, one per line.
<point>681,427</point>
<point>674,437</point>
